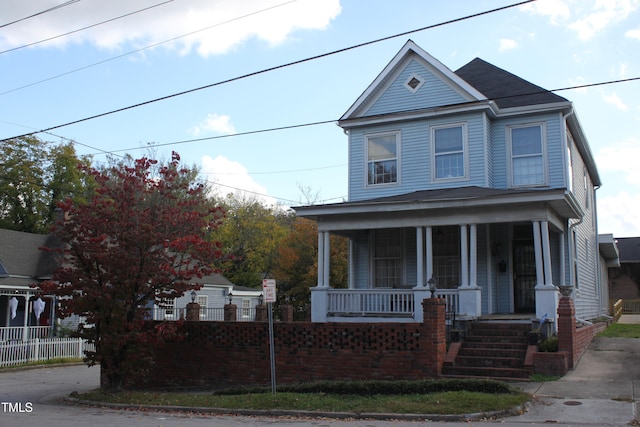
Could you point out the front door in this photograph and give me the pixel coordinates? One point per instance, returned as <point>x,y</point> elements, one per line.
<point>524,276</point>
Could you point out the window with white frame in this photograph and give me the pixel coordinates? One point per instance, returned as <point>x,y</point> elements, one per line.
<point>168,305</point>
<point>387,258</point>
<point>382,158</point>
<point>526,144</point>
<point>246,307</point>
<point>203,300</point>
<point>449,151</point>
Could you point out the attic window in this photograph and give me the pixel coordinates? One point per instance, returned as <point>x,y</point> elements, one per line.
<point>413,83</point>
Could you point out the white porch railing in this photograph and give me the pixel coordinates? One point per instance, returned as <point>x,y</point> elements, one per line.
<point>21,352</point>
<point>401,304</point>
<point>22,333</point>
<point>209,314</point>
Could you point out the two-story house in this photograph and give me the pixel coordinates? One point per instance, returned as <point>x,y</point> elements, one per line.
<point>474,182</point>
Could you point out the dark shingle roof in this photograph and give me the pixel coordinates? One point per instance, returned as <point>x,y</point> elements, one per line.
<point>629,248</point>
<point>506,89</point>
<point>21,260</point>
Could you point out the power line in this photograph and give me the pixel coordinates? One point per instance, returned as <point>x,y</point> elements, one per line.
<point>87,27</point>
<point>51,9</point>
<point>278,67</point>
<point>145,48</point>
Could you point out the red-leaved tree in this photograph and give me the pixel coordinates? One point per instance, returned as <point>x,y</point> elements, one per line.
<point>142,237</point>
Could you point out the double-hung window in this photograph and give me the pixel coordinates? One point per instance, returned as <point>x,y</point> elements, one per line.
<point>527,155</point>
<point>387,258</point>
<point>449,151</point>
<point>382,158</point>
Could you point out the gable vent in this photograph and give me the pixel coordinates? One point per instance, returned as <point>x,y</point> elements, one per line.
<point>413,83</point>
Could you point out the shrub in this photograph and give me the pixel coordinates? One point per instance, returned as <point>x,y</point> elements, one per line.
<point>550,345</point>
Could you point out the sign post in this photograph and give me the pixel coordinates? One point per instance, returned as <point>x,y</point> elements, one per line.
<point>269,291</point>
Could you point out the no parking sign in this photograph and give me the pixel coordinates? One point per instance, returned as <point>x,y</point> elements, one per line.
<point>269,290</point>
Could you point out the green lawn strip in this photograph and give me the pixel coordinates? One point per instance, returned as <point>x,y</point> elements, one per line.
<point>451,402</point>
<point>621,330</point>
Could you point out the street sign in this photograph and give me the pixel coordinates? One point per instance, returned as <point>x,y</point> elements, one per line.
<point>269,290</point>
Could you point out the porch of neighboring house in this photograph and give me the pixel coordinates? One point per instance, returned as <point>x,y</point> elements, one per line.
<point>25,316</point>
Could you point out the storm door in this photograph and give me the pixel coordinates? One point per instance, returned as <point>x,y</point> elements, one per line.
<point>524,271</point>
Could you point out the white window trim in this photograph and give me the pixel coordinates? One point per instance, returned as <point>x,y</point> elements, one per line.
<point>545,157</point>
<point>465,153</point>
<point>417,77</point>
<point>203,306</point>
<point>397,135</point>
<point>372,258</point>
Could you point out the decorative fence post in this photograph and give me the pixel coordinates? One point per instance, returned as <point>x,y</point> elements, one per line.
<point>261,313</point>
<point>287,313</point>
<point>567,328</point>
<point>193,312</point>
<point>230,312</point>
<point>435,333</point>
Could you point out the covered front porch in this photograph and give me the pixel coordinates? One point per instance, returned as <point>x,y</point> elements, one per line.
<point>500,252</point>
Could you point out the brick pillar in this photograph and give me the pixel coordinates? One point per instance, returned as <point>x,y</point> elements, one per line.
<point>261,313</point>
<point>193,312</point>
<point>287,313</point>
<point>230,313</point>
<point>567,328</point>
<point>435,334</point>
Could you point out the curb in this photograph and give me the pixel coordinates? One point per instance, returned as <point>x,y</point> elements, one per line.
<point>518,410</point>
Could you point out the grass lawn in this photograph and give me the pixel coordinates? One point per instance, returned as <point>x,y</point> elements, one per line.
<point>621,330</point>
<point>450,402</point>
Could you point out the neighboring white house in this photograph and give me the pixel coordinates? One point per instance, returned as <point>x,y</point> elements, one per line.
<point>476,182</point>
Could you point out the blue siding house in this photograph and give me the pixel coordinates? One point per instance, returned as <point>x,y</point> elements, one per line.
<point>474,184</point>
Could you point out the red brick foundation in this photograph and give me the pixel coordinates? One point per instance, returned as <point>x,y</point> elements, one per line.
<point>233,354</point>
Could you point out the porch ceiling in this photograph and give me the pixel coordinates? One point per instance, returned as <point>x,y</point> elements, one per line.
<point>445,207</point>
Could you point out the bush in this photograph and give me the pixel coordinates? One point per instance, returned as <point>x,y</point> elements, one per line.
<point>550,345</point>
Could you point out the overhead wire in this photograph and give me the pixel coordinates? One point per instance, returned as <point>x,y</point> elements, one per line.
<point>277,67</point>
<point>75,70</point>
<point>87,27</point>
<point>51,9</point>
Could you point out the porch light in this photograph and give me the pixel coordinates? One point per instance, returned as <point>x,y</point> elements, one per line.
<point>433,283</point>
<point>260,299</point>
<point>193,296</point>
<point>230,296</point>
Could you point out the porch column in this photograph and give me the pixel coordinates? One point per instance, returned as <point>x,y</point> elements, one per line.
<point>464,256</point>
<point>327,258</point>
<point>420,257</point>
<point>429,252</point>
<point>469,294</point>
<point>473,265</point>
<point>547,297</point>
<point>546,252</point>
<point>538,253</point>
<point>562,264</point>
<point>25,330</point>
<point>320,259</point>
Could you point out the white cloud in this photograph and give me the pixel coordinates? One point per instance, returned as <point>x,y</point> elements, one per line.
<point>615,100</point>
<point>633,34</point>
<point>219,124</point>
<point>604,13</point>
<point>621,158</point>
<point>618,214</point>
<point>507,44</point>
<point>230,177</point>
<point>230,23</point>
<point>554,9</point>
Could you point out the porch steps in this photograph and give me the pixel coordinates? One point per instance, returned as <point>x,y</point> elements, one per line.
<point>494,350</point>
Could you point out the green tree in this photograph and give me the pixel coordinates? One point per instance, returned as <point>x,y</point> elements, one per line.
<point>250,235</point>
<point>139,239</point>
<point>34,176</point>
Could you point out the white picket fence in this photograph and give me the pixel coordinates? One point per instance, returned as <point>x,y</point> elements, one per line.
<point>21,352</point>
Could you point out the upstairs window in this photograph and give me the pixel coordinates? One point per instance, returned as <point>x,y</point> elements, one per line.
<point>382,158</point>
<point>527,156</point>
<point>449,152</point>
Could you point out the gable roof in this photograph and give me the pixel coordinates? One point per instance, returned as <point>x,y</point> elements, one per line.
<point>22,263</point>
<point>411,49</point>
<point>506,89</point>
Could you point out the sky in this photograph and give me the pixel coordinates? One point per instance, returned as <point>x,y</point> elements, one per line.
<point>212,79</point>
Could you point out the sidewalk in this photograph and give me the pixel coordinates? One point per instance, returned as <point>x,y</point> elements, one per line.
<point>601,390</point>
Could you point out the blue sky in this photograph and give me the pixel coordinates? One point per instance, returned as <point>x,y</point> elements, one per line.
<point>179,45</point>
